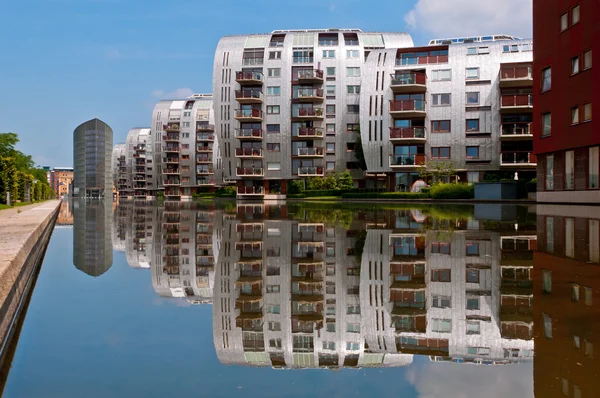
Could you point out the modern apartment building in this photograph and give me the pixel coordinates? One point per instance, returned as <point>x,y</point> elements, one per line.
<point>60,179</point>
<point>287,104</point>
<point>461,103</point>
<point>92,152</point>
<point>185,158</point>
<point>566,86</point>
<point>119,170</point>
<point>139,166</point>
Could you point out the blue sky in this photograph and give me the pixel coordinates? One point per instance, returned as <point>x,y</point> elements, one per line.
<point>67,61</point>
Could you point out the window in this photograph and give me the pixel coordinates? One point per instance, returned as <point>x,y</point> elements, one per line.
<point>575,15</point>
<point>330,128</point>
<point>575,65</point>
<point>549,172</point>
<point>441,275</point>
<point>330,325</point>
<point>472,276</point>
<point>272,109</point>
<point>472,125</point>
<point>440,99</point>
<point>440,126</point>
<point>353,309</point>
<point>273,128</point>
<point>478,351</point>
<point>547,325</point>
<point>329,345</point>
<point>473,303</point>
<point>273,309</point>
<point>330,166</point>
<point>352,166</point>
<point>350,146</point>
<point>275,326</point>
<point>593,167</point>
<point>546,281</point>
<point>483,50</point>
<point>272,288</point>
<point>328,53</point>
<point>330,147</point>
<point>330,110</point>
<point>587,112</point>
<point>569,170</point>
<point>441,75</point>
<point>274,54</point>
<point>441,302</point>
<point>351,53</point>
<point>274,72</point>
<point>352,127</point>
<point>353,108</point>
<point>588,296</point>
<point>273,90</point>
<point>353,72</point>
<point>546,79</point>
<point>441,325</point>
<point>472,152</point>
<point>546,124</point>
<point>353,89</point>
<point>472,73</point>
<point>473,327</point>
<point>353,327</point>
<point>587,59</point>
<point>330,91</point>
<point>473,98</point>
<point>440,152</point>
<point>564,21</point>
<point>472,51</point>
<point>273,146</point>
<point>588,348</point>
<point>472,249</point>
<point>574,293</point>
<point>550,234</point>
<point>275,343</point>
<point>440,247</point>
<point>330,71</point>
<point>350,346</point>
<point>274,166</point>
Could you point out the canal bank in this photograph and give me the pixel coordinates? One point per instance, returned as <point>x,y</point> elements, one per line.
<point>24,236</point>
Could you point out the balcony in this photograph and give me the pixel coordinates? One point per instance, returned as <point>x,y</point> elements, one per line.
<point>171,182</point>
<point>140,148</point>
<point>249,134</point>
<point>248,153</point>
<point>171,160</point>
<point>203,127</point>
<point>516,131</point>
<point>310,152</point>
<point>205,171</point>
<point>409,82</point>
<point>249,115</point>
<point>310,76</point>
<point>203,137</point>
<point>310,113</point>
<point>520,103</point>
<point>171,171</point>
<point>171,138</point>
<point>204,148</point>
<point>311,171</point>
<point>422,60</point>
<point>516,76</point>
<point>249,172</point>
<point>171,127</point>
<point>249,78</point>
<point>139,178</point>
<point>407,134</point>
<point>399,161</point>
<point>310,95</point>
<point>310,133</point>
<point>250,191</point>
<point>175,193</point>
<point>204,159</point>
<point>205,182</point>
<point>518,159</point>
<point>172,149</point>
<point>408,108</point>
<point>249,96</point>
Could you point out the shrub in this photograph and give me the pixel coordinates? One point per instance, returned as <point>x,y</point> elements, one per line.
<point>344,181</point>
<point>452,191</point>
<point>532,185</point>
<point>296,186</point>
<point>160,194</point>
<point>200,195</point>
<point>385,195</point>
<point>226,192</point>
<point>323,192</point>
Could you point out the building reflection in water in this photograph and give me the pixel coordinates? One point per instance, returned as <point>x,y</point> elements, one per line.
<point>566,311</point>
<point>300,287</point>
<point>92,251</point>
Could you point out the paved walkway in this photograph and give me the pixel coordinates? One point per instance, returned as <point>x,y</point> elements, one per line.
<point>6,213</point>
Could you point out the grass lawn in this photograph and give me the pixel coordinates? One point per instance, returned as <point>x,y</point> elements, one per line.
<point>323,198</point>
<point>19,204</point>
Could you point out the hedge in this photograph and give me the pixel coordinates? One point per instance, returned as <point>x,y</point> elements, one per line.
<point>452,191</point>
<point>226,192</point>
<point>295,196</point>
<point>385,195</point>
<point>323,192</point>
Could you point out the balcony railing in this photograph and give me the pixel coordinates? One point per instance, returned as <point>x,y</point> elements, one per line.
<point>407,160</point>
<point>310,74</point>
<point>516,129</point>
<point>248,152</point>
<point>251,95</point>
<point>249,77</point>
<point>248,134</point>
<point>171,182</point>
<point>316,151</point>
<point>252,61</point>
<point>519,100</point>
<point>205,170</point>
<point>248,114</point>
<point>405,133</point>
<point>139,148</point>
<point>172,193</point>
<point>519,157</point>
<point>205,137</point>
<point>249,171</point>
<point>171,137</point>
<point>310,171</point>
<point>205,181</point>
<point>309,94</point>
<point>516,73</point>
<point>310,112</point>
<point>409,78</point>
<point>310,132</point>
<point>303,60</point>
<point>204,148</point>
<point>171,171</point>
<point>203,159</point>
<point>171,127</point>
<point>200,127</point>
<point>430,59</point>
<point>250,191</point>
<point>171,160</point>
<point>407,105</point>
<point>171,149</point>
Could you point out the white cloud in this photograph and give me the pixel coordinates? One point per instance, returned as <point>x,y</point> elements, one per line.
<point>440,380</point>
<point>455,18</point>
<point>180,93</point>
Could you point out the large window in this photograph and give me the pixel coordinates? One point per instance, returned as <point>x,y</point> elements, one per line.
<point>440,99</point>
<point>472,152</point>
<point>303,55</point>
<point>441,75</point>
<point>441,275</point>
<point>549,172</point>
<point>353,72</point>
<point>440,152</point>
<point>546,124</point>
<point>594,167</point>
<point>472,73</point>
<point>441,325</point>
<point>472,125</point>
<point>473,98</point>
<point>440,126</point>
<point>328,53</point>
<point>546,79</point>
<point>569,170</point>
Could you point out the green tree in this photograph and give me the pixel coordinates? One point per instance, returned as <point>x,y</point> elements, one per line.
<point>344,181</point>
<point>435,171</point>
<point>359,153</point>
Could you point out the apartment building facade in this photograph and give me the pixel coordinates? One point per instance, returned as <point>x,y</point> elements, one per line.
<point>92,152</point>
<point>566,86</point>
<point>60,179</point>
<point>463,104</point>
<point>287,104</point>
<point>119,169</point>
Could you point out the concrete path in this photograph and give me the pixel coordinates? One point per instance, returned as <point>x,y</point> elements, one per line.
<point>6,213</point>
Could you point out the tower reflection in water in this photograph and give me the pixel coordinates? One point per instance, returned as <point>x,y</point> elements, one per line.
<point>92,251</point>
<point>300,287</point>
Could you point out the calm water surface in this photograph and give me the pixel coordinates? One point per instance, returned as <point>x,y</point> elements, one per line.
<point>224,299</point>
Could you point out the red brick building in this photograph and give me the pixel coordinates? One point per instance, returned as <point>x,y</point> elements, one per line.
<point>567,38</point>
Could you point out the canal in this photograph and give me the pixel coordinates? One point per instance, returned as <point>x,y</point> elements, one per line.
<point>224,299</point>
